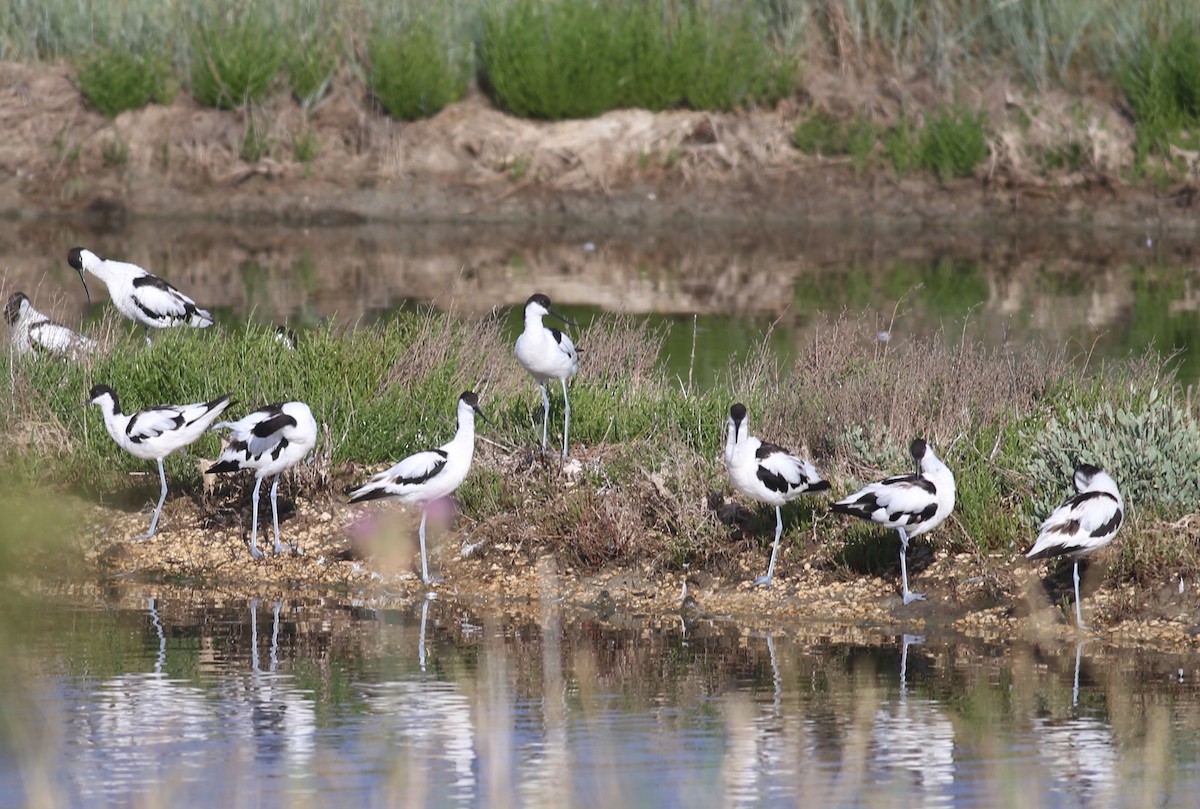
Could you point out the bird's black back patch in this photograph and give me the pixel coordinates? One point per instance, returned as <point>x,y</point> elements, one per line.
<point>276,423</point>
<point>434,470</point>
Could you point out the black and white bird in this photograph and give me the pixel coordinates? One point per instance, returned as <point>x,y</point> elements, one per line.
<point>766,473</point>
<point>154,433</point>
<point>270,441</point>
<point>138,295</point>
<point>429,475</point>
<point>546,353</point>
<point>286,337</point>
<point>912,504</point>
<point>33,332</point>
<point>1083,524</point>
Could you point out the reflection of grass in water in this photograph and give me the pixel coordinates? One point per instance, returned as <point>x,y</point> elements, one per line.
<point>935,289</point>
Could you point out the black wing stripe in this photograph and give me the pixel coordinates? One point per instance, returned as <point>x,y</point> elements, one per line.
<point>275,424</point>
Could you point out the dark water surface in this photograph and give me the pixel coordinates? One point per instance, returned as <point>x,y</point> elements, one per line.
<point>171,701</point>
<point>1101,294</point>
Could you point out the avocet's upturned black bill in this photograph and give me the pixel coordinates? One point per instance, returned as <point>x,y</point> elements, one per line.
<point>1083,524</point>
<point>766,473</point>
<point>33,332</point>
<point>154,433</point>
<point>138,295</point>
<point>547,353</point>
<point>429,475</point>
<point>912,504</point>
<point>270,441</point>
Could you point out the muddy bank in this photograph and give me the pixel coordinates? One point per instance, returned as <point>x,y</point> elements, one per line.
<point>472,162</point>
<point>370,557</point>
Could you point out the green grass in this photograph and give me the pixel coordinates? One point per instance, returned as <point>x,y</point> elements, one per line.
<point>1010,427</point>
<point>236,55</point>
<point>416,70</point>
<point>115,79</point>
<point>1161,81</point>
<point>953,142</point>
<point>577,59</point>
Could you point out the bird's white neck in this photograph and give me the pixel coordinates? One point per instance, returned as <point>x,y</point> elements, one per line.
<point>97,266</point>
<point>466,425</point>
<point>533,320</point>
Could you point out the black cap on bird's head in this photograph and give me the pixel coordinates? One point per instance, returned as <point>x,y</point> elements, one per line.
<point>98,392</point>
<point>472,400</point>
<point>543,302</point>
<point>917,449</point>
<point>1084,473</point>
<point>737,412</point>
<point>75,259</point>
<point>12,309</point>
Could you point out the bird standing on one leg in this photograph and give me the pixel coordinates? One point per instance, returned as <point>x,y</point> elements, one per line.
<point>34,332</point>
<point>138,295</point>
<point>270,440</point>
<point>766,473</point>
<point>912,504</point>
<point>547,354</point>
<point>429,475</point>
<point>154,433</point>
<point>1083,524</point>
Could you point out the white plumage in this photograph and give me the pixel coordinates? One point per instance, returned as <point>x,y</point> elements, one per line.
<point>911,504</point>
<point>766,473</point>
<point>1084,523</point>
<point>270,440</point>
<point>156,432</point>
<point>32,331</point>
<point>429,475</point>
<point>547,354</point>
<point>138,295</point>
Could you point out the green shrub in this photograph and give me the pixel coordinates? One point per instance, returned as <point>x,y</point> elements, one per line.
<point>235,58</point>
<point>115,79</point>
<point>953,142</point>
<point>726,60</point>
<point>900,146</point>
<point>1149,445</point>
<point>558,59</point>
<point>1161,80</point>
<point>414,72</point>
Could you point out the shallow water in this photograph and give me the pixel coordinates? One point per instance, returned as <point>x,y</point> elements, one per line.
<point>1099,293</point>
<point>175,701</point>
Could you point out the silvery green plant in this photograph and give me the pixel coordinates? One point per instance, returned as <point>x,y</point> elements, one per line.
<point>1150,447</point>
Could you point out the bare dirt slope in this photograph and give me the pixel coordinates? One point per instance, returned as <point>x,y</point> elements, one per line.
<point>474,162</point>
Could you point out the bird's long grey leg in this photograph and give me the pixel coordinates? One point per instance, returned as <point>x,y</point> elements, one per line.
<point>567,417</point>
<point>909,596</point>
<point>424,563</point>
<point>254,551</point>
<point>545,413</point>
<point>279,546</point>
<point>765,581</point>
<point>1078,609</point>
<point>162,498</point>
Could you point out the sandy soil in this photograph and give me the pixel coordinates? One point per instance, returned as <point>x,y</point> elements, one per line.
<point>371,556</point>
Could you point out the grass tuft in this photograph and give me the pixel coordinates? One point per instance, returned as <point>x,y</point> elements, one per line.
<point>568,59</point>
<point>415,70</point>
<point>236,55</point>
<point>953,142</point>
<point>116,79</point>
